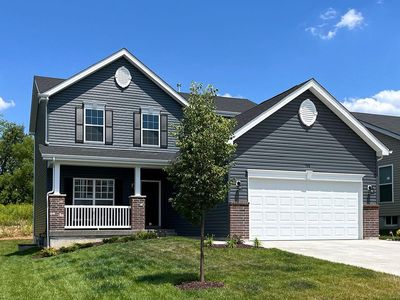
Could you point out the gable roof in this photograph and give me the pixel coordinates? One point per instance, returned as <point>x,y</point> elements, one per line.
<point>229,106</point>
<point>45,83</point>
<point>117,55</point>
<point>259,113</point>
<point>389,125</point>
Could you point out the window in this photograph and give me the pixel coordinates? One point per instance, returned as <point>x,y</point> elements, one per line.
<point>386,183</point>
<point>391,221</point>
<point>150,129</point>
<point>94,125</point>
<point>93,191</point>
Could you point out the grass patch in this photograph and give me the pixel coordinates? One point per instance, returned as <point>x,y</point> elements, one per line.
<point>15,220</point>
<point>150,269</point>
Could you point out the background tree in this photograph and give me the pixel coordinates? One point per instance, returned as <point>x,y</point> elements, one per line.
<point>16,164</point>
<point>200,172</point>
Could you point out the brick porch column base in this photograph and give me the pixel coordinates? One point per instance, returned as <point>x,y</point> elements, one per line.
<point>56,212</point>
<point>371,221</point>
<point>239,219</point>
<point>138,205</point>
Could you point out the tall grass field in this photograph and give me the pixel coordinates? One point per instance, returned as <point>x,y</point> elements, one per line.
<point>15,220</point>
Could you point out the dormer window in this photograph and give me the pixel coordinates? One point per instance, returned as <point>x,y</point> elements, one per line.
<point>94,124</point>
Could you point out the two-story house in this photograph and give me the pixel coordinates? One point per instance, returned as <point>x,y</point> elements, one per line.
<point>305,168</point>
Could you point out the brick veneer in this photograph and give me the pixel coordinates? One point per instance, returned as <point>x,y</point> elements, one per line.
<point>371,221</point>
<point>56,212</point>
<point>138,205</point>
<point>239,219</point>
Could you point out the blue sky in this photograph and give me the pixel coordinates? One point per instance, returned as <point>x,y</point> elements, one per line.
<point>252,49</point>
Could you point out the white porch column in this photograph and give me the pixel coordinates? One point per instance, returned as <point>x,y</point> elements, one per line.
<point>56,178</point>
<point>138,183</point>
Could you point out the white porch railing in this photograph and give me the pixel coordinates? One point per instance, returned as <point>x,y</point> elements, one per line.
<point>97,216</point>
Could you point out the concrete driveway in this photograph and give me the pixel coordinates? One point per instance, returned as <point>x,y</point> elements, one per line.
<point>377,255</point>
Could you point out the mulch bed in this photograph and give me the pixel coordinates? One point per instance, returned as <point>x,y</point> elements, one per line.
<point>197,285</point>
<point>237,246</point>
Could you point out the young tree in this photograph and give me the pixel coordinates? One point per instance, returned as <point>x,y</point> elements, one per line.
<point>200,171</point>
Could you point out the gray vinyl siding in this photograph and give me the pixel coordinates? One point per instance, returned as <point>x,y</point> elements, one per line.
<point>281,142</point>
<point>40,169</point>
<point>101,87</point>
<point>391,209</point>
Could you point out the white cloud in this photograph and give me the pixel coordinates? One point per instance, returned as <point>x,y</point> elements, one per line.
<point>230,96</point>
<point>5,105</point>
<point>329,14</point>
<point>352,19</point>
<point>386,102</point>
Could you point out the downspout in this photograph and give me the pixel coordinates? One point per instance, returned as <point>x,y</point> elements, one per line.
<point>48,207</point>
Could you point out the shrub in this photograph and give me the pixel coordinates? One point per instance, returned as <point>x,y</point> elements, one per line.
<point>146,235</point>
<point>111,240</point>
<point>48,252</point>
<point>398,232</point>
<point>231,242</point>
<point>257,243</point>
<point>238,239</point>
<point>141,235</point>
<point>75,247</point>
<point>209,241</point>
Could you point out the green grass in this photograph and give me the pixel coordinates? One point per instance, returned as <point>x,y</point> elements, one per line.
<point>149,269</point>
<point>15,220</point>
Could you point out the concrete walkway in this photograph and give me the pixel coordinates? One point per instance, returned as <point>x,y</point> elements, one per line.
<point>377,255</point>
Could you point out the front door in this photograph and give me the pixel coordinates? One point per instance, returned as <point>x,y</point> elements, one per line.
<point>152,190</point>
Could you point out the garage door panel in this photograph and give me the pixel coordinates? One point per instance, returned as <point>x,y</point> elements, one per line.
<point>299,210</point>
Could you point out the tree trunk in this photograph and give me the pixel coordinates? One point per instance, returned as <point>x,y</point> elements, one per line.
<point>202,247</point>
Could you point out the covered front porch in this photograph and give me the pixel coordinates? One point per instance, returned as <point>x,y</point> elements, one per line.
<point>88,198</point>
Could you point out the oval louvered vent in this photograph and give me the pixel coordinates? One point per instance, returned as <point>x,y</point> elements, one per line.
<point>308,112</point>
<point>123,77</point>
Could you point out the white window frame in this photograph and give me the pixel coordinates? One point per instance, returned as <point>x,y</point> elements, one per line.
<point>94,107</point>
<point>397,224</point>
<point>94,190</point>
<point>150,112</point>
<point>379,184</point>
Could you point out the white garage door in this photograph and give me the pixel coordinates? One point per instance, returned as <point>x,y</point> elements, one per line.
<point>304,205</point>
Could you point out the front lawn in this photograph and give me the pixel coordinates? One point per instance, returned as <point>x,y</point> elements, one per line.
<point>149,269</point>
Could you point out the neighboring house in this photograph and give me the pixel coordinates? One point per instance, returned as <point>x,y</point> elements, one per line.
<point>387,129</point>
<point>305,167</point>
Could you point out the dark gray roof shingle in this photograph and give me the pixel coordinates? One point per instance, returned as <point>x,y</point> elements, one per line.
<point>46,83</point>
<point>229,104</point>
<point>128,154</point>
<point>252,113</point>
<point>390,123</point>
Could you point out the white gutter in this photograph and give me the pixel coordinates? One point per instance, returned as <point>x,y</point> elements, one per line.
<point>44,97</point>
<point>47,207</point>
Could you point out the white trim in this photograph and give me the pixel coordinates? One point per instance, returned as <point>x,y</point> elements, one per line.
<point>379,184</point>
<point>92,107</point>
<point>138,182</point>
<point>315,176</point>
<point>56,179</point>
<point>133,60</point>
<point>104,161</point>
<point>94,191</point>
<point>304,175</point>
<point>159,198</point>
<point>332,104</point>
<point>150,113</point>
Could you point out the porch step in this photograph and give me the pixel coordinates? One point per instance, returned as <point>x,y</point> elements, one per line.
<point>165,232</point>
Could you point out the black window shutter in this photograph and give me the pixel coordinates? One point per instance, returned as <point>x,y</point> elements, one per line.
<point>68,190</point>
<point>164,131</point>
<point>137,124</point>
<point>109,127</point>
<point>79,124</point>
